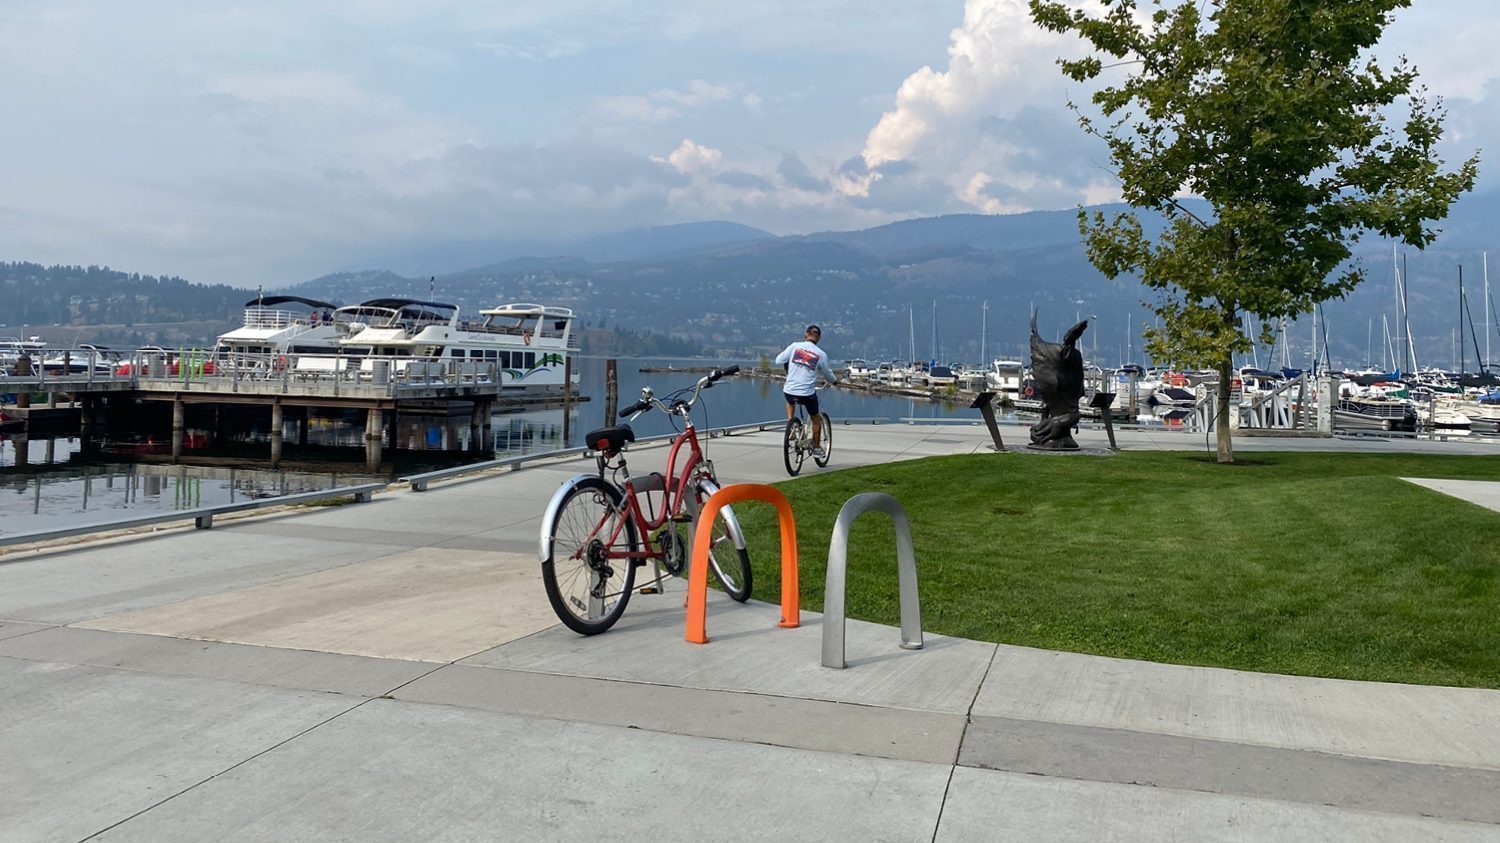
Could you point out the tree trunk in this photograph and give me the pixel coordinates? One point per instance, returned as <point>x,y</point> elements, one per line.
<point>1221,416</point>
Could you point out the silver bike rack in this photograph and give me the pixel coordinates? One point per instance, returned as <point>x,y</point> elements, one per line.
<point>838,559</point>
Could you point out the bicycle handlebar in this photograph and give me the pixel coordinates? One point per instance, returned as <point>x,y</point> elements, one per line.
<point>679,406</point>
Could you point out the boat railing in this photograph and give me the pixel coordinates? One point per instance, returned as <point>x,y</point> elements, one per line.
<point>270,318</point>
<point>419,482</point>
<point>62,370</point>
<point>49,369</point>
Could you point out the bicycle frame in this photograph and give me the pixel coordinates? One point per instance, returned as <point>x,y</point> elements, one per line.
<point>678,483</point>
<point>674,494</point>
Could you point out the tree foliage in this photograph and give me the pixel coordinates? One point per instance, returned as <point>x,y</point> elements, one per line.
<point>1274,112</point>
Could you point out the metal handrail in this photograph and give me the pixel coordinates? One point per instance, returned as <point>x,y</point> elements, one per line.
<point>838,562</point>
<point>203,517</point>
<point>419,482</point>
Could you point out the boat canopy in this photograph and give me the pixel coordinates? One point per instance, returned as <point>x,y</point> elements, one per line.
<point>270,301</point>
<point>397,304</point>
<point>1479,380</point>
<point>1372,378</point>
<point>526,310</point>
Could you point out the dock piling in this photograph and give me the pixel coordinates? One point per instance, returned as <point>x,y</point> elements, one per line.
<point>277,421</point>
<point>611,391</point>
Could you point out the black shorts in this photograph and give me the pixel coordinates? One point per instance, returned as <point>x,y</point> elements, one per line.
<point>808,401</point>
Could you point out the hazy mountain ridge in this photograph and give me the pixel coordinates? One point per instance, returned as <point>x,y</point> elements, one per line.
<point>634,244</point>
<point>871,289</point>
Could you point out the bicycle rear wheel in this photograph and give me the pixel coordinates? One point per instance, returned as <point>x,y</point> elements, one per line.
<point>587,590</point>
<point>727,556</point>
<point>827,441</point>
<point>791,446</point>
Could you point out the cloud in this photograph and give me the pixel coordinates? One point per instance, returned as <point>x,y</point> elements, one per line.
<point>274,141</point>
<point>746,181</point>
<point>995,45</point>
<point>691,157</point>
<point>987,124</point>
<point>633,108</point>
<point>697,94</point>
<point>794,173</point>
<point>545,49</point>
<point>663,103</point>
<point>314,87</point>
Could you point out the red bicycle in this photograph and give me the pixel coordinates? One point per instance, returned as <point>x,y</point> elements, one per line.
<point>598,530</point>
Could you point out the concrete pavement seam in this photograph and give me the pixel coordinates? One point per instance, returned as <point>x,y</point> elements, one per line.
<point>519,669</point>
<point>968,718</point>
<point>228,769</point>
<point>1226,767</point>
<point>493,705</point>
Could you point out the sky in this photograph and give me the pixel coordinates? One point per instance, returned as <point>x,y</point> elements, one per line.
<point>269,142</point>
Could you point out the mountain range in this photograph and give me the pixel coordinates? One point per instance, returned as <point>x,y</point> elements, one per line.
<point>937,286</point>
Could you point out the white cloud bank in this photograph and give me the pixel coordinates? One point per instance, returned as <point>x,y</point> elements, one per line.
<point>228,147</point>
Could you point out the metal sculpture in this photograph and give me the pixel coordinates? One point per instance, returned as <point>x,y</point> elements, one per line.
<point>1057,371</point>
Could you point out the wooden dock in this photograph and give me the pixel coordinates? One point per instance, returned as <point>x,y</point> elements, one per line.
<point>382,387</point>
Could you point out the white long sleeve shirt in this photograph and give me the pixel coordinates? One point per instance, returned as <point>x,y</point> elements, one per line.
<point>806,361</point>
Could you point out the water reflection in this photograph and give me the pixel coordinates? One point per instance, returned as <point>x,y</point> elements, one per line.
<point>225,454</point>
<point>44,498</point>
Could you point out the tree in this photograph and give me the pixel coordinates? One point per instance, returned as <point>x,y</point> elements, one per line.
<point>1273,112</point>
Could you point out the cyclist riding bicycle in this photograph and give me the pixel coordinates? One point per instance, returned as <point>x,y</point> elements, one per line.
<point>803,361</point>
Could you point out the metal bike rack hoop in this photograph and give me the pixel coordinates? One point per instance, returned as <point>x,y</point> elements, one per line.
<point>703,539</point>
<point>838,559</point>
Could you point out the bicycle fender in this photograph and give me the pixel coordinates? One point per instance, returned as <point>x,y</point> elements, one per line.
<point>549,518</point>
<point>731,522</point>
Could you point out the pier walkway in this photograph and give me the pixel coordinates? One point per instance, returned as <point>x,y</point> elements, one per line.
<point>392,671</point>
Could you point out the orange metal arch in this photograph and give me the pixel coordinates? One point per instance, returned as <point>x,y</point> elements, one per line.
<point>703,537</point>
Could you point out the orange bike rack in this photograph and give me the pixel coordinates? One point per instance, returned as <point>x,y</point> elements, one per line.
<point>703,539</point>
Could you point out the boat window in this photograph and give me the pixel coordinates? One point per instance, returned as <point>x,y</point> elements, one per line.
<point>458,352</point>
<point>491,354</point>
<point>530,359</point>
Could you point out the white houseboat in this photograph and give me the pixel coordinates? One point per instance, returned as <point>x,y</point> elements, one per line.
<point>528,344</point>
<point>284,325</point>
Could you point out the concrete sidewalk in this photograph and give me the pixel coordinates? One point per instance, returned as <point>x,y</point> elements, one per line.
<point>392,671</point>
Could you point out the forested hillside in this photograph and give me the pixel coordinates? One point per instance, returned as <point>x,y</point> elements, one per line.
<point>31,294</point>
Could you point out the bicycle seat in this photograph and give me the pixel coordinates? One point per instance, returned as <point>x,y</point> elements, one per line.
<point>610,440</point>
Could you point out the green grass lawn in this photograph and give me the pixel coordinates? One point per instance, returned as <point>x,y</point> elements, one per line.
<point>1312,564</point>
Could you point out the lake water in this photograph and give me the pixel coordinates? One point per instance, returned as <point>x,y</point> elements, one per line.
<point>60,484</point>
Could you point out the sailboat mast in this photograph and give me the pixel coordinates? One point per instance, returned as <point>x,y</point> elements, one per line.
<point>1386,352</point>
<point>1411,344</point>
<point>984,326</point>
<point>1314,368</point>
<point>911,326</point>
<point>1490,314</point>
<point>1461,359</point>
<point>933,356</point>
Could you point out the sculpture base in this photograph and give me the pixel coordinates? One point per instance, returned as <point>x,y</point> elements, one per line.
<point>1077,452</point>
<point>1054,445</point>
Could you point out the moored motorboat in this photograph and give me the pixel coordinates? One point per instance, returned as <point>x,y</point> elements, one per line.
<point>1358,413</point>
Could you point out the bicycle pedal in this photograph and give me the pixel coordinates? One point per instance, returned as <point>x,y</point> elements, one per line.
<point>684,518</point>
<point>650,589</point>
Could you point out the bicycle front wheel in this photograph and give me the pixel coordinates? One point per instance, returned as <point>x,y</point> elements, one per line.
<point>587,589</point>
<point>791,446</point>
<point>827,441</point>
<point>727,556</point>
